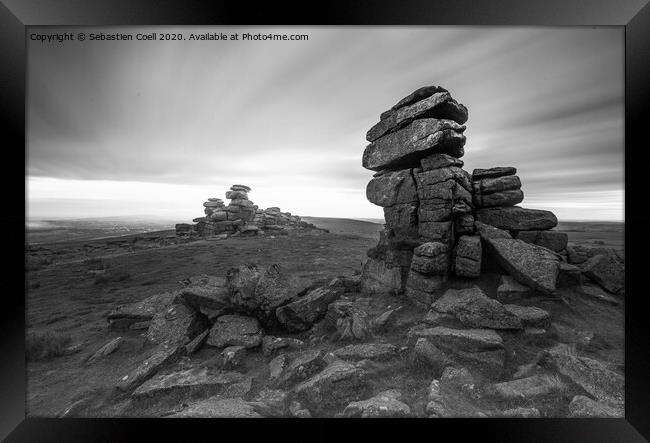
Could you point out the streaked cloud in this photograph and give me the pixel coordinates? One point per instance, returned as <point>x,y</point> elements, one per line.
<point>185,120</point>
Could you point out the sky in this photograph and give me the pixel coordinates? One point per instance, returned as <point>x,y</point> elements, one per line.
<point>154,128</point>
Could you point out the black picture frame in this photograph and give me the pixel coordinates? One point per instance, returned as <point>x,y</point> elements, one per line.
<point>633,15</point>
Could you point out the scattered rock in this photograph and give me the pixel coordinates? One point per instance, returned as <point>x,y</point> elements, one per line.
<point>302,313</point>
<point>605,271</point>
<point>595,292</point>
<point>217,407</point>
<point>176,324</point>
<point>235,330</point>
<point>592,375</point>
<point>289,369</point>
<point>271,344</point>
<point>232,356</point>
<point>530,316</point>
<point>371,351</point>
<point>585,407</point>
<point>522,413</point>
<point>424,351</point>
<point>384,404</point>
<point>338,384</point>
<point>197,342</point>
<point>297,411</point>
<point>271,402</point>
<point>476,310</point>
<point>161,355</point>
<point>105,350</point>
<point>527,389</point>
<point>189,382</point>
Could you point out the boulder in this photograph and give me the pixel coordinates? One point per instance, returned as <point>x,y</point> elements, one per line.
<point>499,171</point>
<point>190,382</point>
<point>514,218</point>
<point>476,310</point>
<point>237,195</point>
<point>235,330</point>
<point>271,402</point>
<point>439,105</point>
<point>530,316</point>
<point>527,389</point>
<point>431,258</point>
<point>592,375</point>
<point>408,145</point>
<point>274,288</point>
<point>370,351</point>
<point>217,407</point>
<point>161,355</point>
<point>290,369</point>
<point>606,272</point>
<point>426,352</point>
<point>467,262</point>
<point>337,385</point>
<point>125,315</point>
<point>570,275</point>
<point>553,240</point>
<point>177,324</point>
<point>392,188</point>
<point>487,232</point>
<point>241,283</point>
<point>302,313</point>
<point>384,404</point>
<point>531,265</point>
<point>584,407</point>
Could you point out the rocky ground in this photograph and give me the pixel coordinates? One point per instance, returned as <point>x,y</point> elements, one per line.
<point>151,325</point>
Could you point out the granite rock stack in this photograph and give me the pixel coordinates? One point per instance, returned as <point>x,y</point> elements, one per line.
<point>433,208</point>
<point>240,217</point>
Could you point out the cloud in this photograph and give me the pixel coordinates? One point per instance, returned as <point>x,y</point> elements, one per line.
<point>293,115</point>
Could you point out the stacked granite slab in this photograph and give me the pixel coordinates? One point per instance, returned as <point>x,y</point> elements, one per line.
<point>426,195</point>
<point>436,213</point>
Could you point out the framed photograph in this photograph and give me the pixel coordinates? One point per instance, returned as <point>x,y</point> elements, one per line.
<point>388,211</point>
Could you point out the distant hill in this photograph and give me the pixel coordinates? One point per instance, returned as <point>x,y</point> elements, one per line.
<point>346,226</point>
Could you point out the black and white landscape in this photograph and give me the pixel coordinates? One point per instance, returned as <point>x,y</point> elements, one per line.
<point>372,222</point>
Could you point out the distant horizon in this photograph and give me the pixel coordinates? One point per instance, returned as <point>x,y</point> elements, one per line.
<point>156,127</point>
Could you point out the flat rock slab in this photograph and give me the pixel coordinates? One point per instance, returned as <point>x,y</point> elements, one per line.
<point>527,389</point>
<point>337,385</point>
<point>289,369</point>
<point>370,351</point>
<point>302,313</point>
<point>106,349</point>
<point>476,310</point>
<point>178,324</point>
<point>514,218</point>
<point>471,340</point>
<point>207,292</point>
<point>189,382</point>
<point>499,171</point>
<point>217,407</point>
<point>415,96</point>
<point>384,404</point>
<point>592,375</point>
<point>161,355</point>
<point>530,316</point>
<point>585,407</point>
<point>438,105</point>
<point>235,330</point>
<point>145,309</point>
<point>405,147</point>
<point>531,265</point>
